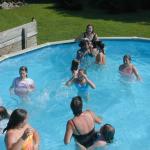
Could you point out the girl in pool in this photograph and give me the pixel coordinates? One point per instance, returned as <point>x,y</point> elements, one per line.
<point>127,69</point>
<point>82,83</point>
<point>19,134</point>
<point>89,35</point>
<point>22,85</point>
<point>100,57</point>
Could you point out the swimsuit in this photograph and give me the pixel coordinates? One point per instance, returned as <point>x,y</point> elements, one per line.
<point>87,139</point>
<point>91,37</point>
<point>28,143</point>
<point>83,88</point>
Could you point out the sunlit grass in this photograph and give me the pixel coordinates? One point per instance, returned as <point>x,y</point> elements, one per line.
<point>54,24</point>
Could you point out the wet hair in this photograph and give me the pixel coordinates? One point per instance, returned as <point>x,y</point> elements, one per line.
<point>108,132</point>
<point>23,68</point>
<point>74,65</point>
<point>3,113</point>
<point>83,43</point>
<point>126,56</point>
<point>17,117</point>
<point>76,105</point>
<point>100,44</point>
<point>88,27</point>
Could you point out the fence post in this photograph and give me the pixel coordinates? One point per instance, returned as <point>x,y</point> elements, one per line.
<point>24,38</point>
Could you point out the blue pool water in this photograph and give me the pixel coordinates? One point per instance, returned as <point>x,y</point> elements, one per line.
<point>123,104</point>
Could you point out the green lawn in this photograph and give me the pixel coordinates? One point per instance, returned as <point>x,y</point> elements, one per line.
<point>54,24</point>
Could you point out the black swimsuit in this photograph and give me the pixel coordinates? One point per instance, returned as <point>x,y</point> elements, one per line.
<point>87,139</point>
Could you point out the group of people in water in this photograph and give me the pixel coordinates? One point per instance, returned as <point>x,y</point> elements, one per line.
<point>82,125</point>
<point>21,136</point>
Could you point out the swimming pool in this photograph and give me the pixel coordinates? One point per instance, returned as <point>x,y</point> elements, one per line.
<point>123,104</point>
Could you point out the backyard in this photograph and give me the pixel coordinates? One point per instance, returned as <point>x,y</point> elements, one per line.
<point>55,24</point>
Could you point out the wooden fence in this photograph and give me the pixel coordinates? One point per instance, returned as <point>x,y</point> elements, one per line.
<point>18,38</point>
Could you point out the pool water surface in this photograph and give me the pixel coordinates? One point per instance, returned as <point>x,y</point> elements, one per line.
<point>124,104</point>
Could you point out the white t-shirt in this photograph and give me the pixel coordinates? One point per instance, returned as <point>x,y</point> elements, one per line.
<point>23,87</point>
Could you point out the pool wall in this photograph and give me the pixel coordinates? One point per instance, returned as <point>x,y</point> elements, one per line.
<point>4,57</point>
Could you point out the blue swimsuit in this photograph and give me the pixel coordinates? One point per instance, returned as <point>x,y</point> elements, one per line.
<point>83,88</point>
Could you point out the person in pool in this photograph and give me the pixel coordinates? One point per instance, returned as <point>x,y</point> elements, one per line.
<point>82,83</point>
<point>82,125</point>
<point>75,67</point>
<point>103,137</point>
<point>85,49</point>
<point>89,34</point>
<point>19,134</point>
<point>100,57</point>
<point>4,116</point>
<point>127,69</point>
<point>22,85</point>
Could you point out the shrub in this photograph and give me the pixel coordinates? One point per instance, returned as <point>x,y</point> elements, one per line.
<point>119,6</point>
<point>70,4</point>
<point>145,4</point>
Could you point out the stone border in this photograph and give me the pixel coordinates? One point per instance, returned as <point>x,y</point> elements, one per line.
<point>4,57</point>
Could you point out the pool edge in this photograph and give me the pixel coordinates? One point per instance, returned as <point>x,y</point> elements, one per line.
<point>2,58</point>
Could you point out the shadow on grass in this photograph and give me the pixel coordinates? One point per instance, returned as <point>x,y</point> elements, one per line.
<point>142,17</point>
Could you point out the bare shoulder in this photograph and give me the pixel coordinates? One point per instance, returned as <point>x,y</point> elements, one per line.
<point>88,111</point>
<point>10,136</point>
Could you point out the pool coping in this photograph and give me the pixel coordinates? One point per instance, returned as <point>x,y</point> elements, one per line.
<point>4,57</point>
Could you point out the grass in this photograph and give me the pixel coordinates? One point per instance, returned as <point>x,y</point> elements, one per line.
<point>55,24</point>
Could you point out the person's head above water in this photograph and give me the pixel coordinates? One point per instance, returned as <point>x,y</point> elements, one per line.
<point>74,65</point>
<point>17,118</point>
<point>80,74</point>
<point>76,105</point>
<point>84,44</point>
<point>23,70</point>
<point>126,59</point>
<point>107,131</point>
<point>3,113</point>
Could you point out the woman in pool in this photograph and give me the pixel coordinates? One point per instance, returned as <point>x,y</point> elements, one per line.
<point>4,116</point>
<point>82,125</point>
<point>100,57</point>
<point>19,134</point>
<point>22,85</point>
<point>89,35</point>
<point>127,69</point>
<point>82,83</point>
